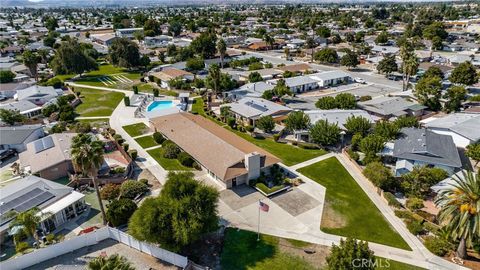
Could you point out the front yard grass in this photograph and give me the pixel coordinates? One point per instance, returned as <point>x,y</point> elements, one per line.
<point>167,163</point>
<point>97,102</point>
<point>146,141</point>
<point>348,211</point>
<point>135,130</point>
<point>110,73</point>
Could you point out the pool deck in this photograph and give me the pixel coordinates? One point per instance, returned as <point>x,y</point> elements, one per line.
<point>163,111</point>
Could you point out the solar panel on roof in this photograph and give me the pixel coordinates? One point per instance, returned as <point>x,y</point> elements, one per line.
<point>33,202</point>
<point>19,200</point>
<point>43,144</point>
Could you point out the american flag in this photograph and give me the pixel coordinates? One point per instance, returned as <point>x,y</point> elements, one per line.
<point>264,207</point>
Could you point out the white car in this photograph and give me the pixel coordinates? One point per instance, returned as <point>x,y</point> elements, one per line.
<point>359,80</point>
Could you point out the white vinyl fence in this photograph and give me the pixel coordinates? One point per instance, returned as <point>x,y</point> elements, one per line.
<point>89,239</point>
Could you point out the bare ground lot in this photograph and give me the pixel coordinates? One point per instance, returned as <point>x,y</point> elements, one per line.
<point>295,202</point>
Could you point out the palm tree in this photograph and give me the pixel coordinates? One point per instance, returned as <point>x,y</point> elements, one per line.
<point>287,52</point>
<point>87,157</point>
<point>410,63</point>
<point>114,261</point>
<point>269,40</point>
<point>222,49</point>
<point>460,211</point>
<point>30,60</point>
<point>310,44</point>
<point>215,75</point>
<point>28,221</point>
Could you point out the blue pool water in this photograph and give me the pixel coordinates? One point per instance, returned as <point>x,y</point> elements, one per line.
<point>160,105</point>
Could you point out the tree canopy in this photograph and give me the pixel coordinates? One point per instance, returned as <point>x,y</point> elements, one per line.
<point>429,91</point>
<point>325,133</point>
<point>71,58</point>
<point>297,120</point>
<point>124,53</point>
<point>465,74</point>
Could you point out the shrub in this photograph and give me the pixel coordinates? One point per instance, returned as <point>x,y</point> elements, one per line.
<point>365,98</point>
<point>112,131</point>
<point>415,227</point>
<point>378,174</point>
<point>119,211</point>
<point>131,189</point>
<point>276,137</point>
<point>110,191</point>
<point>145,181</point>
<point>158,137</point>
<point>135,89</point>
<point>125,147</point>
<point>50,237</point>
<point>353,155</point>
<point>118,170</point>
<point>249,128</point>
<point>185,159</point>
<point>392,201</point>
<point>133,153</point>
<point>308,145</point>
<point>231,122</point>
<point>404,214</point>
<point>437,246</point>
<point>431,227</point>
<point>155,92</point>
<point>21,247</point>
<point>171,150</point>
<point>126,101</point>
<point>414,203</point>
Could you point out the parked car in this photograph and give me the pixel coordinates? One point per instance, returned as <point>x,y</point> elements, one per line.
<point>6,154</point>
<point>359,80</point>
<point>2,97</point>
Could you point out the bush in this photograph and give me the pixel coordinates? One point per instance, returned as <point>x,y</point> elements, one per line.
<point>365,98</point>
<point>158,137</point>
<point>118,170</point>
<point>110,191</point>
<point>145,181</point>
<point>414,203</point>
<point>231,122</point>
<point>133,153</point>
<point>437,246</point>
<point>171,150</point>
<point>120,211</point>
<point>431,227</point>
<point>308,145</point>
<point>392,201</point>
<point>126,101</point>
<point>249,128</point>
<point>185,159</point>
<point>112,131</point>
<point>135,89</point>
<point>82,127</point>
<point>155,92</point>
<point>353,155</point>
<point>415,227</point>
<point>125,147</point>
<point>50,238</point>
<point>131,189</point>
<point>276,137</point>
<point>407,215</point>
<point>21,247</point>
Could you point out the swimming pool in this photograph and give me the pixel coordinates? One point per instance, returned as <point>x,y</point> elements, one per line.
<point>160,105</point>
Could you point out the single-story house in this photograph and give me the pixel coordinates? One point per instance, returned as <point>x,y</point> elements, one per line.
<point>423,147</point>
<point>104,39</point>
<point>300,68</point>
<point>49,157</point>
<point>58,202</point>
<point>166,75</point>
<point>266,74</point>
<point>38,95</point>
<point>391,107</point>
<point>128,32</point>
<point>338,117</point>
<point>17,137</point>
<point>464,128</point>
<point>385,50</point>
<point>331,78</point>
<point>24,107</point>
<point>247,110</point>
<point>157,41</point>
<point>295,43</point>
<point>226,157</point>
<point>248,90</point>
<point>299,84</point>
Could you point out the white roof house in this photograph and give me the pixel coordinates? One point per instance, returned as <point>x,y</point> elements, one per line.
<point>38,94</point>
<point>338,117</point>
<point>462,127</point>
<point>330,78</point>
<point>254,108</point>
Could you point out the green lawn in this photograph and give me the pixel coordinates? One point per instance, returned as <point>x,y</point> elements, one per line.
<point>97,122</point>
<point>110,73</point>
<point>289,154</point>
<point>135,130</point>
<point>95,216</point>
<point>146,141</point>
<point>97,102</point>
<point>348,211</point>
<point>242,251</point>
<point>148,88</point>
<point>387,264</point>
<point>166,163</point>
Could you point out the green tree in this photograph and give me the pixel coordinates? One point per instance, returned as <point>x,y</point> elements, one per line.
<point>297,120</point>
<point>175,28</point>
<point>205,45</point>
<point>326,55</point>
<point>465,74</point>
<point>417,183</point>
<point>326,103</point>
<point>345,101</point>
<point>281,89</point>
<point>371,144</point>
<point>406,121</point>
<point>410,62</point>
<point>358,125</point>
<point>460,210</point>
<point>185,210</point>
<point>350,250</point>
<point>325,133</point>
<point>350,60</point>
<point>310,44</point>
<point>323,32</point>
<point>379,175</point>
<point>222,50</point>
<point>124,53</point>
<point>434,71</point>
<point>455,96</point>
<point>11,117</point>
<point>114,261</point>
<point>87,157</point>
<point>51,23</point>
<point>195,64</point>
<point>119,211</point>
<point>28,221</point>
<point>473,152</point>
<point>152,27</point>
<point>382,38</point>
<point>387,130</point>
<point>31,60</point>
<point>70,58</point>
<point>213,79</point>
<point>140,19</point>
<point>269,40</point>
<point>6,76</point>
<point>255,77</point>
<point>429,91</point>
<point>265,123</point>
<point>387,65</point>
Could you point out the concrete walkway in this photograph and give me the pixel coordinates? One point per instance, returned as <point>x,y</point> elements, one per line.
<point>311,161</point>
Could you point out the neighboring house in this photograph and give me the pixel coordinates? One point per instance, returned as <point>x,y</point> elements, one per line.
<point>391,107</point>
<point>422,147</point>
<point>338,117</point>
<point>300,68</point>
<point>464,128</point>
<point>295,43</point>
<point>266,74</point>
<point>37,94</point>
<point>17,137</point>
<point>331,78</point>
<point>247,110</point>
<point>49,157</point>
<point>104,39</point>
<point>157,41</point>
<point>166,75</point>
<point>24,107</point>
<point>299,84</point>
<point>226,157</point>
<point>60,203</point>
<point>10,89</point>
<point>127,32</point>
<point>385,50</point>
<point>249,90</point>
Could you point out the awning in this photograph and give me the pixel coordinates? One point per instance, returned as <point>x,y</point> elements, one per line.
<point>62,203</point>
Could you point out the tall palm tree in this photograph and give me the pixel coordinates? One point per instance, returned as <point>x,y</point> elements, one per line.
<point>87,157</point>
<point>460,211</point>
<point>222,50</point>
<point>410,63</point>
<point>113,262</point>
<point>269,40</point>
<point>215,75</point>
<point>310,44</point>
<point>28,221</point>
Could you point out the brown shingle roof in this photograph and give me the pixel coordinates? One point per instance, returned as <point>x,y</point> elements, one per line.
<point>296,68</point>
<point>216,148</point>
<point>170,73</point>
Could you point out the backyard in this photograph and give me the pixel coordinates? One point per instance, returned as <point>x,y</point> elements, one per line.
<point>97,103</point>
<point>167,163</point>
<point>137,129</point>
<point>146,141</point>
<point>348,210</point>
<point>289,154</point>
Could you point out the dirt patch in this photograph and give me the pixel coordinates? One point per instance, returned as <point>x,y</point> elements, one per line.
<point>140,173</point>
<point>206,251</point>
<point>314,254</point>
<point>95,109</point>
<point>331,218</point>
<point>472,262</point>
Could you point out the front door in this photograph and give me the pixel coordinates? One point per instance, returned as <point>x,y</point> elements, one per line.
<point>234,182</point>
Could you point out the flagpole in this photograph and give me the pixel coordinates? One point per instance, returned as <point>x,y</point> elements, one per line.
<point>258,229</point>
